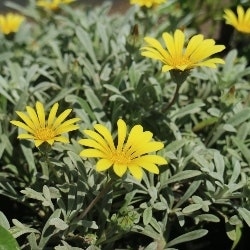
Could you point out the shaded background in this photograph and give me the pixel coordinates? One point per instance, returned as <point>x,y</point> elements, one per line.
<point>117,5</point>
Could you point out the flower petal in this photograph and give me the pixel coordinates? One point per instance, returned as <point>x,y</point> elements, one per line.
<point>41,114</point>
<point>93,144</point>
<point>52,114</point>
<point>120,169</point>
<point>147,148</point>
<point>61,139</point>
<point>23,126</point>
<point>26,119</point>
<point>193,44</point>
<point>152,168</point>
<point>122,132</point>
<point>92,153</point>
<point>106,135</point>
<point>136,171</point>
<point>25,136</point>
<point>33,116</point>
<point>99,139</point>
<point>103,165</point>
<point>61,118</point>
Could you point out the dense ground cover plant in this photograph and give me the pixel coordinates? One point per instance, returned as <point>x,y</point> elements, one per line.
<point>104,148</point>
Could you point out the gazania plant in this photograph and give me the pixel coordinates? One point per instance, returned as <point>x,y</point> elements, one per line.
<point>175,57</point>
<point>52,4</point>
<point>240,21</point>
<point>147,3</point>
<point>41,130</point>
<point>10,23</point>
<point>124,128</point>
<point>125,156</point>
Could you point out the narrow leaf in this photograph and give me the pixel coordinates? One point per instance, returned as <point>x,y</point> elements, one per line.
<point>196,234</point>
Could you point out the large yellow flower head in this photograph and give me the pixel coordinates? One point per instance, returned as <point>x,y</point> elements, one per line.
<point>10,23</point>
<point>132,155</point>
<point>240,22</point>
<point>175,57</point>
<point>52,4</point>
<point>41,130</point>
<point>147,3</point>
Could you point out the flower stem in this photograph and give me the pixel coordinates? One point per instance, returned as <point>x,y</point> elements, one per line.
<point>174,99</point>
<point>179,77</point>
<point>97,198</point>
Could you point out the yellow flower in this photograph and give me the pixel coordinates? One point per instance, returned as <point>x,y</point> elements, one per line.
<point>52,4</point>
<point>131,155</point>
<point>240,22</point>
<point>42,130</point>
<point>147,3</point>
<point>10,23</point>
<point>175,57</point>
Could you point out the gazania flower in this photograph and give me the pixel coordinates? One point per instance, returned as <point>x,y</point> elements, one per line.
<point>240,22</point>
<point>147,3</point>
<point>10,23</point>
<point>131,155</point>
<point>41,130</point>
<point>52,4</point>
<point>175,57</point>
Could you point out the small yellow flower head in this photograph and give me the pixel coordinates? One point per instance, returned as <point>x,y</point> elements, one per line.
<point>10,23</point>
<point>52,4</point>
<point>131,155</point>
<point>147,3</point>
<point>41,130</point>
<point>240,22</point>
<point>175,57</point>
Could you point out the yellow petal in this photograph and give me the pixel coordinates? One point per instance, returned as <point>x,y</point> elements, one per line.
<point>65,129</point>
<point>179,39</point>
<point>22,125</point>
<point>50,141</point>
<point>135,133</point>
<point>52,114</point>
<point>247,17</point>
<point>230,17</point>
<point>26,119</point>
<point>61,139</point>
<point>211,62</point>
<point>206,49</point>
<point>240,12</point>
<point>193,44</point>
<point>166,68</point>
<point>25,136</point>
<point>103,165</point>
<point>33,116</point>
<point>147,148</point>
<point>99,139</point>
<point>106,135</point>
<point>61,118</point>
<point>38,143</point>
<point>120,169</point>
<point>93,144</point>
<point>40,113</point>
<point>92,153</point>
<point>156,45</point>
<point>154,54</point>
<point>152,168</point>
<point>169,42</point>
<point>122,132</point>
<point>136,171</point>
